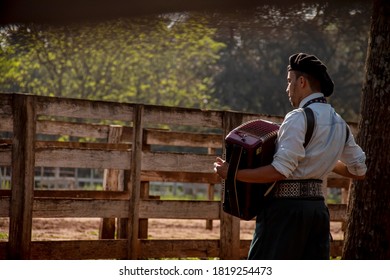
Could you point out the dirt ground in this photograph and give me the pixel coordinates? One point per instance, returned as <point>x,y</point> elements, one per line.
<point>88,228</point>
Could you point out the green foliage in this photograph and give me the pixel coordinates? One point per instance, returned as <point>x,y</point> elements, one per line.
<point>150,60</point>
<point>229,60</point>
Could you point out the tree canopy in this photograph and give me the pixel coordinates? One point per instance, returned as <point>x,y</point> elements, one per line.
<point>149,60</point>
<point>226,60</point>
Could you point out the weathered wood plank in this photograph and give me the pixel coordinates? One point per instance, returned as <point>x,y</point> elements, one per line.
<point>338,212</point>
<point>22,177</point>
<point>116,249</point>
<point>152,136</point>
<point>183,139</point>
<point>4,206</point>
<point>40,203</point>
<point>185,177</point>
<point>6,104</point>
<point>5,156</point>
<point>6,122</point>
<point>42,145</point>
<point>168,209</point>
<point>115,207</point>
<point>79,108</point>
<point>79,250</point>
<point>75,158</point>
<point>170,162</point>
<point>179,248</point>
<point>72,129</point>
<point>79,158</point>
<point>72,208</point>
<point>109,208</point>
<point>182,116</point>
<point>74,194</point>
<point>151,161</point>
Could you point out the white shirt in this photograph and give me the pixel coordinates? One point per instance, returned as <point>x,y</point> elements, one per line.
<point>327,145</point>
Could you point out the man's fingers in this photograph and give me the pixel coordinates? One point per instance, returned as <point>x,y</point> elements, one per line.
<point>220,160</point>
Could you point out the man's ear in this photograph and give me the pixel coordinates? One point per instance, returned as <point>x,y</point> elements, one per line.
<point>302,81</point>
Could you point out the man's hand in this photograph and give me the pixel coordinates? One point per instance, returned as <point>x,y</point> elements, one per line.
<point>221,167</point>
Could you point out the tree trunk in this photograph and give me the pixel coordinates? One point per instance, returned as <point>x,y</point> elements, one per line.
<point>368,228</point>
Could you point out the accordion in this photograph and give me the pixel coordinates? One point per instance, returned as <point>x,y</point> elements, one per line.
<point>250,145</point>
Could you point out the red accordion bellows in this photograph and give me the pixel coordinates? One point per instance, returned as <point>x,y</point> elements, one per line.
<point>250,145</point>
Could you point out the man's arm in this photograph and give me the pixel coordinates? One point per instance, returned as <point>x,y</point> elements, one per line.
<point>263,174</point>
<point>342,170</point>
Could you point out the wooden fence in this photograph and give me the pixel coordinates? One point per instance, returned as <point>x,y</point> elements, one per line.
<point>125,140</point>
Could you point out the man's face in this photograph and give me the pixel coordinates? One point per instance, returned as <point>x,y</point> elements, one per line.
<point>293,89</point>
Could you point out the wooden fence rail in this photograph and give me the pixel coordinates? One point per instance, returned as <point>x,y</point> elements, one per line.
<point>137,157</point>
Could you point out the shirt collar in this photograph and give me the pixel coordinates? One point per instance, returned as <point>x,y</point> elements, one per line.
<point>310,97</point>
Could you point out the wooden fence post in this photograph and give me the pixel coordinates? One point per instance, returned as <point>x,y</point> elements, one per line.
<point>22,179</point>
<point>144,223</point>
<point>112,181</point>
<point>210,192</point>
<point>135,183</point>
<point>122,223</point>
<point>230,225</point>
<point>144,194</point>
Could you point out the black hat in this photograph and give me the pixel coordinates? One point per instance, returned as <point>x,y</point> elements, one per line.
<point>311,65</point>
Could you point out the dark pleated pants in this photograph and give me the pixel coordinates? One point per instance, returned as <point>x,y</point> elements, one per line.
<point>291,229</point>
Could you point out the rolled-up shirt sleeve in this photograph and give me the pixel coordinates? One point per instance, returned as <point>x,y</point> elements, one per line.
<point>289,149</point>
<point>354,157</point>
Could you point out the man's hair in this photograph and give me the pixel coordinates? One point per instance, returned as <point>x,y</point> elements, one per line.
<point>314,67</point>
<point>314,83</point>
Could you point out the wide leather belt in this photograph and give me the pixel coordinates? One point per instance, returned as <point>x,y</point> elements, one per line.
<point>298,189</point>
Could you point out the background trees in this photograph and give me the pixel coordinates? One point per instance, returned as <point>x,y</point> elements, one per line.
<point>220,60</point>
<point>148,60</point>
<point>260,41</point>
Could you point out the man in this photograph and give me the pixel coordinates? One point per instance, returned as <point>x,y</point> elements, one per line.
<point>294,222</point>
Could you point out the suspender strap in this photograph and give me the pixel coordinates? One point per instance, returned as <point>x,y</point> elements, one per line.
<point>310,125</point>
<point>310,121</point>
<point>310,118</point>
<point>346,137</point>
